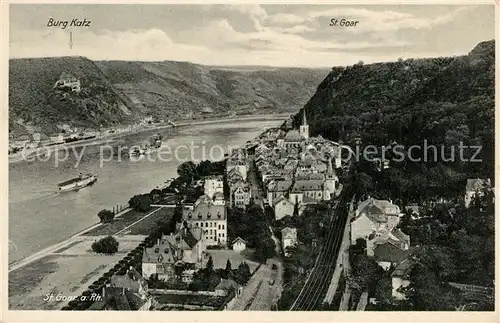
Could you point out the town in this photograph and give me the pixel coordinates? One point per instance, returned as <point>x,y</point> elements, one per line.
<point>277,225</point>
<point>271,157</point>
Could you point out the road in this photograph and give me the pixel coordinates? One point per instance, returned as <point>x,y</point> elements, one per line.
<point>257,192</point>
<point>259,294</point>
<point>262,290</point>
<point>316,286</point>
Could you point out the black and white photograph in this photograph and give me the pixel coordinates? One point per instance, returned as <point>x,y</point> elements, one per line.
<point>250,157</point>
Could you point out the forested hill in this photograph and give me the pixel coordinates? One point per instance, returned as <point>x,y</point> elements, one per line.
<point>443,100</point>
<point>120,92</point>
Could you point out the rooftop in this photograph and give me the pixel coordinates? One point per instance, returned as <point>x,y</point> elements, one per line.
<point>279,186</point>
<point>205,210</point>
<point>403,268</point>
<point>307,185</point>
<point>389,253</point>
<point>293,136</point>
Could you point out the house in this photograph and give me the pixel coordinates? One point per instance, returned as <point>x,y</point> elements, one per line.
<point>293,141</point>
<point>374,215</point>
<point>121,299</point>
<point>306,201</point>
<point>319,187</point>
<point>125,292</point>
<point>226,285</point>
<point>132,280</point>
<point>210,217</point>
<point>239,244</point>
<point>234,175</point>
<point>395,237</point>
<point>288,238</point>
<point>241,196</point>
<point>218,199</point>
<point>187,276</point>
<point>238,161</point>
<point>283,207</point>
<point>213,184</point>
<point>276,189</point>
<point>306,188</point>
<point>390,253</point>
<point>174,253</point>
<point>400,278</point>
<point>475,187</point>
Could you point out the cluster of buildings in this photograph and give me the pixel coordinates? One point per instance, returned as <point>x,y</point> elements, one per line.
<point>127,292</point>
<point>237,165</point>
<point>376,222</point>
<point>176,255</point>
<point>296,169</point>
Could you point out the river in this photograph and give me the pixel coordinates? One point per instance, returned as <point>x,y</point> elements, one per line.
<point>39,217</point>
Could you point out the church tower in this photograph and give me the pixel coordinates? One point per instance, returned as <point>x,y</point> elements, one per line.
<point>331,180</point>
<point>304,128</point>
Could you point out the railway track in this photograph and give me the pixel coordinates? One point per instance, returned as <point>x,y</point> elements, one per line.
<point>316,286</point>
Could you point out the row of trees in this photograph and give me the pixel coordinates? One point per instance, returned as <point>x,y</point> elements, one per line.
<point>133,259</point>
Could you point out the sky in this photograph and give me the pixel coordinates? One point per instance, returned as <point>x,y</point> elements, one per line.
<point>250,34</point>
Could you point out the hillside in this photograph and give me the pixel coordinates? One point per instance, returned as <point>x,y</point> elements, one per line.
<point>34,101</point>
<point>118,92</point>
<point>445,101</point>
<point>179,90</point>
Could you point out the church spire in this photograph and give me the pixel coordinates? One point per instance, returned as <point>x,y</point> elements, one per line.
<point>330,167</point>
<point>304,128</point>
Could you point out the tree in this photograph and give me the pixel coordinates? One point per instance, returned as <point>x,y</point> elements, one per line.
<point>187,170</point>
<point>228,266</point>
<point>427,293</point>
<point>107,245</point>
<point>210,265</point>
<point>106,216</point>
<point>265,249</point>
<point>155,195</point>
<point>242,274</point>
<point>140,203</point>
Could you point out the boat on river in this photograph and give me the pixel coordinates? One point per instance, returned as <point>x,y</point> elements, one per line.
<point>77,183</point>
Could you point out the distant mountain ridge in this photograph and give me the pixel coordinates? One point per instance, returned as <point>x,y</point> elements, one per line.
<point>121,92</point>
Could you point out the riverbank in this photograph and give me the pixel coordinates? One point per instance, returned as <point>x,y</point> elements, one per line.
<point>39,218</point>
<point>26,154</point>
<point>69,267</point>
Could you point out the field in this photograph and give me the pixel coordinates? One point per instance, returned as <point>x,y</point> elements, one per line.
<point>119,224</point>
<point>147,225</point>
